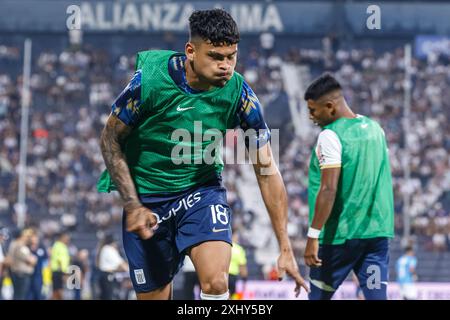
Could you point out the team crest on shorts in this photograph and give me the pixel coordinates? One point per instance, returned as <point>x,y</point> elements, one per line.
<point>139,275</point>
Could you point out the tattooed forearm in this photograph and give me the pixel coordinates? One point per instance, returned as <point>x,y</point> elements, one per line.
<point>112,137</point>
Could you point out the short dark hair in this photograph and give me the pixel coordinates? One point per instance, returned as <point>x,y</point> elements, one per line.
<point>109,238</point>
<point>61,234</point>
<point>409,248</point>
<point>215,25</point>
<point>324,84</point>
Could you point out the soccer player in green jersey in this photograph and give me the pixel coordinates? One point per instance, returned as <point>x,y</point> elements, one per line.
<point>174,205</point>
<point>350,196</point>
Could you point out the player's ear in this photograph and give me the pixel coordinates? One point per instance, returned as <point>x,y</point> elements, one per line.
<point>331,107</point>
<point>189,50</point>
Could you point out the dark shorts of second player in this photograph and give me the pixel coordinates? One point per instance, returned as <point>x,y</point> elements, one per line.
<point>368,258</point>
<point>188,219</point>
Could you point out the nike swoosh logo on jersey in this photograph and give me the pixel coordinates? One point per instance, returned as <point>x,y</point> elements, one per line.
<point>364,125</point>
<point>219,230</point>
<point>184,109</point>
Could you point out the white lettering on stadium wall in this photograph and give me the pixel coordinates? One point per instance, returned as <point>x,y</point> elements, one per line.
<point>172,16</point>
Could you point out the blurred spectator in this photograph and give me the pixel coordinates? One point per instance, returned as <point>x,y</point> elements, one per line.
<point>81,260</point>
<point>109,262</point>
<point>272,275</point>
<point>59,263</point>
<point>267,42</point>
<point>190,279</point>
<point>238,268</point>
<point>406,274</point>
<point>40,252</point>
<point>3,237</point>
<point>358,291</point>
<point>21,262</point>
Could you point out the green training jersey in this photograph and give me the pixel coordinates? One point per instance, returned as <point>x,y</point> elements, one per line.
<point>363,207</point>
<point>170,150</point>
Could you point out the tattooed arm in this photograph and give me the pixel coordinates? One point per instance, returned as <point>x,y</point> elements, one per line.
<point>113,136</point>
<point>139,218</point>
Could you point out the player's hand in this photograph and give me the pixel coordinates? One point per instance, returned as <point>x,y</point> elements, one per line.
<point>312,253</point>
<point>140,220</point>
<point>287,264</point>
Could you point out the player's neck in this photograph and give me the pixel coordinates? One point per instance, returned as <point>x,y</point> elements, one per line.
<point>346,112</point>
<point>193,80</point>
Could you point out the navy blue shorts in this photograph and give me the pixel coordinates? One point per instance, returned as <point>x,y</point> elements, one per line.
<point>184,220</point>
<point>368,258</point>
